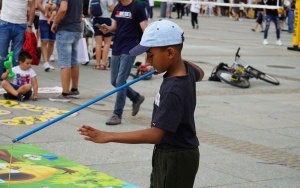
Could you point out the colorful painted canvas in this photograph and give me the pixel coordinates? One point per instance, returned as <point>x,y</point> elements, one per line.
<point>34,167</point>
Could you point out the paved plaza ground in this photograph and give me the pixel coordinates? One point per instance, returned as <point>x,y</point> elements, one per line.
<point>249,137</point>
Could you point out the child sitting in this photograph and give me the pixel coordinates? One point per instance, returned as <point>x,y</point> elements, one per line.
<point>19,87</point>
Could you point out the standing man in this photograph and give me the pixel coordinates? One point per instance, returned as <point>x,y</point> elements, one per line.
<point>272,15</point>
<point>13,25</point>
<point>129,20</point>
<point>67,25</point>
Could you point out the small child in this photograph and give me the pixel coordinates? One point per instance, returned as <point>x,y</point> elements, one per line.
<point>175,159</point>
<point>19,87</point>
<point>50,11</point>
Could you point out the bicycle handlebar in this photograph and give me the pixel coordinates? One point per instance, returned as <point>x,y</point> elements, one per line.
<point>237,53</point>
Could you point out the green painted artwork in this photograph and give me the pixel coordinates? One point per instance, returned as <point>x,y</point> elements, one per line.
<point>34,167</point>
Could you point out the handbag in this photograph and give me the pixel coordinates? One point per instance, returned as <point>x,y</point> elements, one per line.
<point>30,46</point>
<point>82,51</point>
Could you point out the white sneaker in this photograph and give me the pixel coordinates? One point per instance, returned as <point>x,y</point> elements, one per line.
<point>46,66</point>
<point>52,58</point>
<point>51,67</point>
<point>265,42</point>
<point>278,42</point>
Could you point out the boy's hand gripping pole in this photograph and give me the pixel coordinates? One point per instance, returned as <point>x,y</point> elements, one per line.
<point>81,107</point>
<point>9,65</point>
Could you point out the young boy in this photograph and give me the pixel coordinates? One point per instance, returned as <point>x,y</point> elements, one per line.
<point>175,158</point>
<point>19,87</point>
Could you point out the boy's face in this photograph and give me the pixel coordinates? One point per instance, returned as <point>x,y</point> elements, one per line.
<point>159,58</point>
<point>26,64</point>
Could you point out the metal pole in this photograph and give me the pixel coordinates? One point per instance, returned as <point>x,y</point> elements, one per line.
<point>81,107</point>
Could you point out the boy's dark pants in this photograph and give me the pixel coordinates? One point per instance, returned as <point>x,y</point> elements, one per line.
<point>174,167</point>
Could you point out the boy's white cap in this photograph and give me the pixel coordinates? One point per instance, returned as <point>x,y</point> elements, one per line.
<point>157,34</point>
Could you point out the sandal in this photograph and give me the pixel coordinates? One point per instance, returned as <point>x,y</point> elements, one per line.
<point>101,67</point>
<point>97,67</point>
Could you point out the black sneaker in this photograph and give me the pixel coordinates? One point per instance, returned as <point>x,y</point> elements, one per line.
<point>20,97</point>
<point>74,94</point>
<point>6,96</point>
<point>136,106</point>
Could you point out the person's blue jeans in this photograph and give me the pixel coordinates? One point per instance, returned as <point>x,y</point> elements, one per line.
<point>13,34</point>
<point>120,68</point>
<point>291,16</point>
<point>275,19</point>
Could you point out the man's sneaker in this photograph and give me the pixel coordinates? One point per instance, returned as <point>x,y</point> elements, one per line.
<point>265,42</point>
<point>74,94</point>
<point>60,98</point>
<point>278,42</point>
<point>113,120</point>
<point>253,30</point>
<point>20,97</point>
<point>46,66</point>
<point>136,106</point>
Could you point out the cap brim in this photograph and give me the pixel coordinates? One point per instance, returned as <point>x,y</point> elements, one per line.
<point>138,50</point>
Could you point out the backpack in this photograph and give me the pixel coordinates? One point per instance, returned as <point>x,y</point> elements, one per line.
<point>95,8</point>
<point>213,76</point>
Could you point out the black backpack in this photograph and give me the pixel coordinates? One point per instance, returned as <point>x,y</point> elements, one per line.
<point>213,76</point>
<point>95,8</point>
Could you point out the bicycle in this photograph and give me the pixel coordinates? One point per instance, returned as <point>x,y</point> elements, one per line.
<point>238,74</point>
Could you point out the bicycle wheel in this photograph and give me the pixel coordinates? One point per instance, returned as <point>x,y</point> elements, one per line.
<point>262,76</point>
<point>232,79</point>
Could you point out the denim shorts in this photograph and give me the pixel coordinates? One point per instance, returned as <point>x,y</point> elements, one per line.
<point>67,48</point>
<point>101,21</point>
<point>45,29</point>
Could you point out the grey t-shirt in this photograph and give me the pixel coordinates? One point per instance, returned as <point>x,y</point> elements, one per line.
<point>72,19</point>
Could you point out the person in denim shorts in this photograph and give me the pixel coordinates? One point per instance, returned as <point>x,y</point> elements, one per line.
<point>47,36</point>
<point>13,25</point>
<point>67,25</point>
<point>102,52</point>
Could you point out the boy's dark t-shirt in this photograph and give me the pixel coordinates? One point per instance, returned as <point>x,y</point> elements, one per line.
<point>126,36</point>
<point>174,108</point>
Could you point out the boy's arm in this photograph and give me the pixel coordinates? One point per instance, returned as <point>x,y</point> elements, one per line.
<point>35,88</point>
<point>151,135</point>
<point>201,72</point>
<point>4,76</point>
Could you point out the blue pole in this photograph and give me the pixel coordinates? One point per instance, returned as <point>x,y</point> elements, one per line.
<point>81,107</point>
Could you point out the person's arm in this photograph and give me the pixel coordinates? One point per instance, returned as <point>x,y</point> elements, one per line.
<point>60,14</point>
<point>31,14</point>
<point>40,6</point>
<point>143,24</point>
<point>106,29</point>
<point>35,88</point>
<point>151,135</point>
<point>201,72</point>
<point>4,75</point>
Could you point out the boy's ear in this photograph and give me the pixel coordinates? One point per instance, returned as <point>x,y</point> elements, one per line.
<point>170,52</point>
